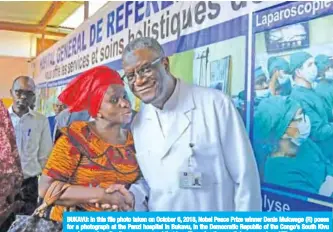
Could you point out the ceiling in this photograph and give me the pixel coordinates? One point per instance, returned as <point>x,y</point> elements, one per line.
<point>39,17</point>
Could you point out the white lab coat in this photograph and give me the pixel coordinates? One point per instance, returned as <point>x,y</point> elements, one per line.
<point>222,153</point>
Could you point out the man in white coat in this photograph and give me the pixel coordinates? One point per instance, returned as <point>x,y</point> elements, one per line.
<point>191,143</point>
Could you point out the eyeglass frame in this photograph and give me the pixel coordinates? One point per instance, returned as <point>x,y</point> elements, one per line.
<point>140,72</point>
<point>26,93</point>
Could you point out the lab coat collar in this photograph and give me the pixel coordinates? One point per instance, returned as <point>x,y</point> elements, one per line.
<point>182,98</point>
<point>184,108</point>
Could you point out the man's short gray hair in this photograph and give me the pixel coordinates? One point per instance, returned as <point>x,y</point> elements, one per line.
<point>144,42</point>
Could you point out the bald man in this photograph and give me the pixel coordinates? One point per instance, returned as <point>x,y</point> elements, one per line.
<point>33,138</point>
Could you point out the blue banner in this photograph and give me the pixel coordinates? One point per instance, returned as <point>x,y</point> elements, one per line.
<point>199,221</point>
<point>290,14</point>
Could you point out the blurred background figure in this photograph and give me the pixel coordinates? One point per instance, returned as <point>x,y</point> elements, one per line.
<point>260,86</point>
<point>58,107</point>
<point>305,72</point>
<point>11,175</point>
<point>66,118</point>
<point>280,78</point>
<point>33,138</point>
<point>239,102</point>
<point>324,87</point>
<point>285,153</point>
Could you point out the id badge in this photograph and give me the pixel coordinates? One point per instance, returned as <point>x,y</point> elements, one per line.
<point>189,179</point>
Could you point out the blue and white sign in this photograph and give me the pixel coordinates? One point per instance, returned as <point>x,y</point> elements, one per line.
<point>197,221</point>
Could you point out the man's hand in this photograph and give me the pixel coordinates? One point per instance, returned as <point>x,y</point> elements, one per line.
<point>126,199</point>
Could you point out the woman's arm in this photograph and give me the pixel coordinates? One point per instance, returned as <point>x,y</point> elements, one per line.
<point>76,194</point>
<point>61,166</point>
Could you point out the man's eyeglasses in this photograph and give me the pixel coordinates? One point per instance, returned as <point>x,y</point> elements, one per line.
<point>28,94</point>
<point>144,71</point>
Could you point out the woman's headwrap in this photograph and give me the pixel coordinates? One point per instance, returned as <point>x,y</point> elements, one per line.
<point>87,90</point>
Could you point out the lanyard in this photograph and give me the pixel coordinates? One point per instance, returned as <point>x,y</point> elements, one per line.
<point>191,144</point>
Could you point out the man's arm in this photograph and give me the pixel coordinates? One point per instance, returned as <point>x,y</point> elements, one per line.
<point>239,158</point>
<point>140,191</point>
<point>45,143</point>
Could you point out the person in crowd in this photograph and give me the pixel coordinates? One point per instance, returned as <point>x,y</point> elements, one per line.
<point>305,72</point>
<point>93,156</point>
<point>11,175</point>
<point>261,86</point>
<point>324,87</point>
<point>33,139</point>
<point>185,131</point>
<point>280,78</point>
<point>58,107</point>
<point>65,118</point>
<point>240,103</point>
<point>285,153</point>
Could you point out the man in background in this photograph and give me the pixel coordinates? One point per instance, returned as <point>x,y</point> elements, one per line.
<point>305,73</point>
<point>280,78</point>
<point>324,87</point>
<point>33,139</point>
<point>261,86</point>
<point>58,107</point>
<point>65,118</point>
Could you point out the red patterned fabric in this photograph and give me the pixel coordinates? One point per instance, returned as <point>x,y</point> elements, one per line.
<point>11,175</point>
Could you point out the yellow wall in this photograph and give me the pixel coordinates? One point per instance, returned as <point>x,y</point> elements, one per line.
<point>182,64</point>
<point>7,102</point>
<point>236,48</point>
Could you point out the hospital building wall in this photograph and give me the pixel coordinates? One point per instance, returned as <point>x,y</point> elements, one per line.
<point>182,64</point>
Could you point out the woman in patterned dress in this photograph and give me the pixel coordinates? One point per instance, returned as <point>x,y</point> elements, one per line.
<point>93,156</point>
